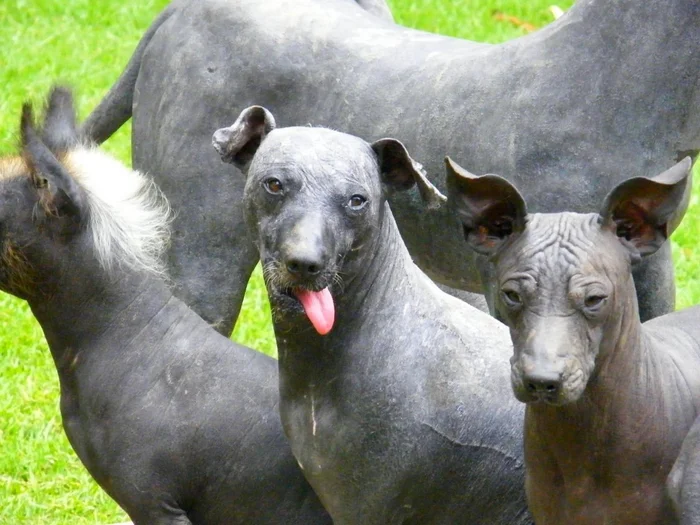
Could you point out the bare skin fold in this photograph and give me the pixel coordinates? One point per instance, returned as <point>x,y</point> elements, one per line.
<point>176,423</point>
<point>609,91</point>
<point>609,399</point>
<point>394,395</point>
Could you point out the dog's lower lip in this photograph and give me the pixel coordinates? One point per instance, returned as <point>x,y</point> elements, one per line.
<point>540,399</point>
<point>289,292</point>
<point>548,400</point>
<point>286,291</point>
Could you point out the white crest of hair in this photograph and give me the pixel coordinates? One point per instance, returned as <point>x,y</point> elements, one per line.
<point>129,217</point>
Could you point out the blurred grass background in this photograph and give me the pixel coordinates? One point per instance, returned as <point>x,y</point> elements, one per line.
<point>86,44</point>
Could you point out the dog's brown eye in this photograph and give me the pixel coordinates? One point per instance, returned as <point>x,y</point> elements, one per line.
<point>273,186</point>
<point>594,301</point>
<point>511,298</point>
<point>357,202</point>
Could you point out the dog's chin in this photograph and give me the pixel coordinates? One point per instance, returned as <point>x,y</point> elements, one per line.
<point>541,399</point>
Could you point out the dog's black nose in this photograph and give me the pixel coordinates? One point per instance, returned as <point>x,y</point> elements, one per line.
<point>549,384</point>
<point>304,266</point>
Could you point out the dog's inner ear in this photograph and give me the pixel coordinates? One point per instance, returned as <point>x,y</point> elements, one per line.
<point>489,207</point>
<point>644,212</point>
<point>238,143</point>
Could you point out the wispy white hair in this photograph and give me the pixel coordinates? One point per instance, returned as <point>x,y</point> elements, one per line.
<point>129,217</point>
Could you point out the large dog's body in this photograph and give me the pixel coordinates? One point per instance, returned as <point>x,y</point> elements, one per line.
<point>609,90</point>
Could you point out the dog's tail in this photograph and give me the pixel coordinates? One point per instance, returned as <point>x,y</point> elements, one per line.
<point>115,108</point>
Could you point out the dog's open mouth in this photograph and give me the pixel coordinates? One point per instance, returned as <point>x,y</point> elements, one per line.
<point>297,295</point>
<point>317,305</point>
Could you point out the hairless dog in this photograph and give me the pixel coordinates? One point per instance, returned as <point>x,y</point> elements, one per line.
<point>610,89</point>
<point>394,395</point>
<point>175,422</point>
<point>609,399</point>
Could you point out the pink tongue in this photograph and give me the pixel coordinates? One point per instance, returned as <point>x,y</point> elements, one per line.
<point>318,307</point>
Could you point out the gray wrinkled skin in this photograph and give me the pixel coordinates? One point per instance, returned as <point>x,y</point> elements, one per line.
<point>610,90</point>
<point>402,413</point>
<point>176,423</point>
<point>684,480</point>
<point>609,399</point>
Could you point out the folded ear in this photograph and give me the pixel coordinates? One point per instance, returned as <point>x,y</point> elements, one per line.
<point>644,212</point>
<point>238,143</point>
<point>490,208</point>
<point>399,172</point>
<point>59,131</point>
<point>60,197</point>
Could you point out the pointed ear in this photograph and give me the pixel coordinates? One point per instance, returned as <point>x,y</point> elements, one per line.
<point>238,143</point>
<point>59,131</point>
<point>59,195</point>
<point>399,171</point>
<point>489,207</point>
<point>643,212</point>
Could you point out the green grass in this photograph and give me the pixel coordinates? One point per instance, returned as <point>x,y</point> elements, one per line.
<point>85,44</point>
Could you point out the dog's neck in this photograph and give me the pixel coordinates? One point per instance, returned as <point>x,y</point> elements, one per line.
<point>91,309</point>
<point>383,267</point>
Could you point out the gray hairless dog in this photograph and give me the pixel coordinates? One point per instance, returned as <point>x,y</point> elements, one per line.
<point>175,422</point>
<point>394,395</point>
<point>610,399</point>
<point>684,480</point>
<point>609,90</point>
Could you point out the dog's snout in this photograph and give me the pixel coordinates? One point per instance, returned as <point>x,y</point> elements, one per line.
<point>543,383</point>
<point>304,266</point>
<point>306,247</point>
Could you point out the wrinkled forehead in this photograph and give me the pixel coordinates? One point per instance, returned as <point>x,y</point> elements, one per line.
<point>560,245</point>
<point>316,153</point>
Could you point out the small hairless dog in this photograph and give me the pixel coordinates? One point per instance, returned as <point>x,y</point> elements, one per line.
<point>394,395</point>
<point>175,422</point>
<point>609,399</point>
